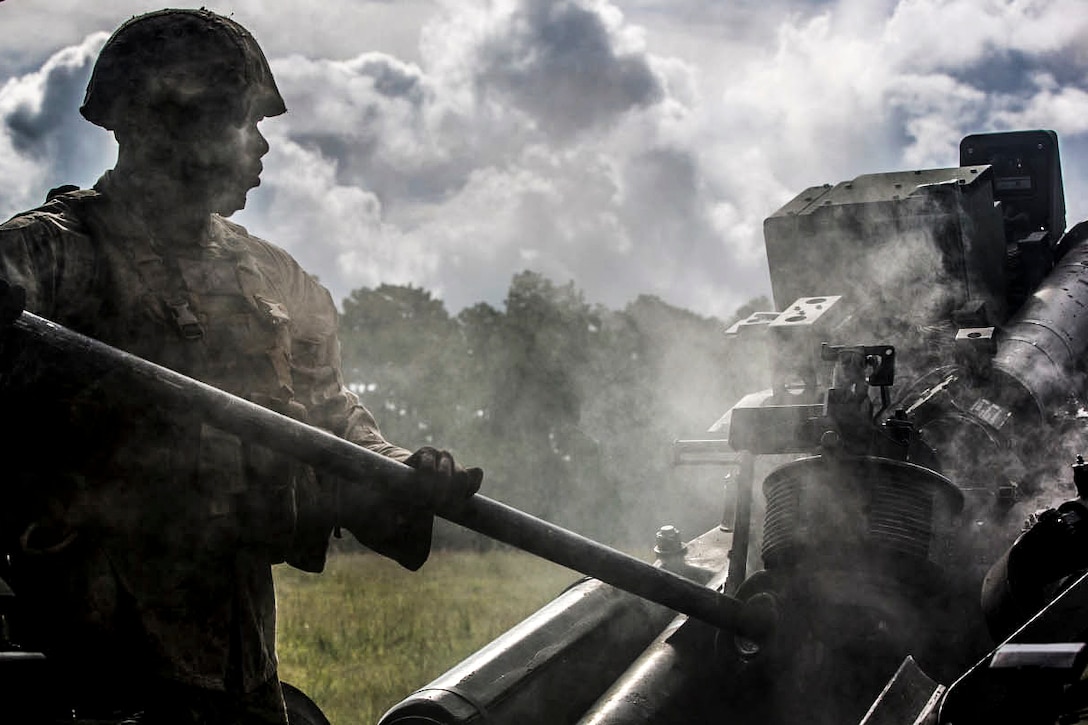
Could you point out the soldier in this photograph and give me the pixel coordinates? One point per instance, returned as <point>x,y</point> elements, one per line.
<point>143,547</point>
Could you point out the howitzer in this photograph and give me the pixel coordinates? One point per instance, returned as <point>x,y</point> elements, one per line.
<point>91,359</point>
<point>926,370</point>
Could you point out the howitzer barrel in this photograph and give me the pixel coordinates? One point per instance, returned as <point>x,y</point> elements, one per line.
<point>93,360</point>
<point>1043,346</point>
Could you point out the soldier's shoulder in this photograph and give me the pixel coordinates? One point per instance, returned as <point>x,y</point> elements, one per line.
<point>237,237</point>
<point>275,262</point>
<point>61,214</point>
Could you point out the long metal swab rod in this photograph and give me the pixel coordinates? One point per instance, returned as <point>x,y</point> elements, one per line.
<point>89,359</point>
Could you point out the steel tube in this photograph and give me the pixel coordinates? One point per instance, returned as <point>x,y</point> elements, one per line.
<point>1043,346</point>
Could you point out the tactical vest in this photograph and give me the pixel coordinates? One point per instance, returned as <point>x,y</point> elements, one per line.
<point>209,312</point>
<point>177,521</point>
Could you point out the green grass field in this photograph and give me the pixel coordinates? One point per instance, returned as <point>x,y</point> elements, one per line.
<point>364,633</point>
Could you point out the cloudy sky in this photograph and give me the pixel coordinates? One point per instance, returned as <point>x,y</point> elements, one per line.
<point>632,146</point>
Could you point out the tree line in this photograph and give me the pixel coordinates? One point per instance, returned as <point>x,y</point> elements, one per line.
<point>571,408</point>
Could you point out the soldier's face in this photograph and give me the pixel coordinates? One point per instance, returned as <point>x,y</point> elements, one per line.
<point>224,157</point>
<point>210,157</point>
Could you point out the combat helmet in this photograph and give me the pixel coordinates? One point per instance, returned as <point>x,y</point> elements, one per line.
<point>185,59</point>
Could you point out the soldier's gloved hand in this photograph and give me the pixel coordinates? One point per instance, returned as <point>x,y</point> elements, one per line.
<point>450,484</point>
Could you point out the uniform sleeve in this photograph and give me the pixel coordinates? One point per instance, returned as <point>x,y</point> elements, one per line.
<point>396,529</point>
<point>318,377</point>
<point>32,391</point>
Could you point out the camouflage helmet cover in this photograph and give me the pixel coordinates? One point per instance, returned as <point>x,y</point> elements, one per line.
<point>187,58</point>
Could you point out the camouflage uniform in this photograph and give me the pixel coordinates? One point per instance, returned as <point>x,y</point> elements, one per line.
<point>147,535</point>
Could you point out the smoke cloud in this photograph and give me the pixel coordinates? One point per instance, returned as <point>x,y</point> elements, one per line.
<point>630,147</point>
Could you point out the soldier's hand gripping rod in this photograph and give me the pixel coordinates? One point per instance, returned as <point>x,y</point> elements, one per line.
<point>91,360</point>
